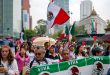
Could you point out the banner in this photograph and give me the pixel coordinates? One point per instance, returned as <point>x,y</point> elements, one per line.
<point>98,65</point>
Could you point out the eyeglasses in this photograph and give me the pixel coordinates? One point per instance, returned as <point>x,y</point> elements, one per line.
<point>37,53</point>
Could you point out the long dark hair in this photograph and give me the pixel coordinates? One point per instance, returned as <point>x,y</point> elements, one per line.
<point>77,51</point>
<point>30,50</point>
<point>22,47</point>
<point>10,57</point>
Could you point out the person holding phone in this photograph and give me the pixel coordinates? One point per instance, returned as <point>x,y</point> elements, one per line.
<point>8,65</point>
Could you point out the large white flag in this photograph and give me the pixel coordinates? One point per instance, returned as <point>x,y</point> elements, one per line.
<point>56,15</point>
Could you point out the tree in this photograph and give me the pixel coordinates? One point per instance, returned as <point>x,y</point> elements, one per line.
<point>80,30</point>
<point>41,27</point>
<point>57,34</point>
<point>28,34</point>
<point>108,23</point>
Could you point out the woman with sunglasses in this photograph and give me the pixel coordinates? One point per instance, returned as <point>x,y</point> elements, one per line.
<point>39,59</point>
<point>8,65</point>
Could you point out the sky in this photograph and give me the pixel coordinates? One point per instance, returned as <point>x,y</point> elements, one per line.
<point>38,9</point>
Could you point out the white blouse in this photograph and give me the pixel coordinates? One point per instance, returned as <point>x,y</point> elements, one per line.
<point>12,69</point>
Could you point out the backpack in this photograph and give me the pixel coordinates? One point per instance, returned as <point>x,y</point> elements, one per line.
<point>108,73</point>
<point>35,59</point>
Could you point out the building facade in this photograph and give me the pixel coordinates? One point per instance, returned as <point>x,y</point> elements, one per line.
<point>1,17</point>
<point>93,21</point>
<point>85,9</point>
<point>10,17</point>
<point>26,14</point>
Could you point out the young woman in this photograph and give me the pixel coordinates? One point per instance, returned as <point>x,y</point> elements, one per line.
<point>60,52</point>
<point>8,65</point>
<point>22,59</point>
<point>80,53</point>
<point>52,55</point>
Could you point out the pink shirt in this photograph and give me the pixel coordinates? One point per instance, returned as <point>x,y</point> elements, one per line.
<point>21,61</point>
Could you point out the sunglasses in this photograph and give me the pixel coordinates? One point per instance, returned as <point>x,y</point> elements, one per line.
<point>37,53</point>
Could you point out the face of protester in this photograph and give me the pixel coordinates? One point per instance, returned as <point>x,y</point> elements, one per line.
<point>99,54</point>
<point>32,48</point>
<point>5,52</point>
<point>81,49</point>
<point>60,50</point>
<point>23,51</point>
<point>39,54</point>
<point>65,55</point>
<point>71,48</point>
<point>51,50</point>
<point>47,45</point>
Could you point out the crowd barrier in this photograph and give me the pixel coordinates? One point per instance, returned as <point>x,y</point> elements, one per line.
<point>97,65</point>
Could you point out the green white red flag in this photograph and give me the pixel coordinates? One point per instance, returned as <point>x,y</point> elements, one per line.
<point>56,15</point>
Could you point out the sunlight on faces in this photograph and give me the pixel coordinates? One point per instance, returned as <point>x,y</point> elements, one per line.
<point>40,53</point>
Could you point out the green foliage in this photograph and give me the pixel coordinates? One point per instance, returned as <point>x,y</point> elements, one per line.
<point>41,27</point>
<point>80,30</point>
<point>28,34</point>
<point>108,23</point>
<point>57,34</point>
<point>41,30</point>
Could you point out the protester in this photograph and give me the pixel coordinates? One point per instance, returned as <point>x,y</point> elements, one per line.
<point>57,46</point>
<point>71,52</point>
<point>11,44</point>
<point>52,55</point>
<point>80,53</point>
<point>65,55</point>
<point>22,59</point>
<point>60,52</point>
<point>47,45</point>
<point>8,65</point>
<point>39,59</point>
<point>96,51</point>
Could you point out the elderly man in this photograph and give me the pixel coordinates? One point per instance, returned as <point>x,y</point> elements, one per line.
<point>65,55</point>
<point>39,59</point>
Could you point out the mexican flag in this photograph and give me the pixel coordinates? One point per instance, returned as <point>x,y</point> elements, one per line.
<point>72,31</point>
<point>56,15</point>
<point>68,33</point>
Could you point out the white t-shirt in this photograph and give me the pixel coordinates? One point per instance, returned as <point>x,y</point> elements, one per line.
<point>80,57</point>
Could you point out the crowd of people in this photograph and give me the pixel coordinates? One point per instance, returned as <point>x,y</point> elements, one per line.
<point>19,59</point>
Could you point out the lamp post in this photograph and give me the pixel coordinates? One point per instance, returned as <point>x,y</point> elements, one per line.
<point>70,13</point>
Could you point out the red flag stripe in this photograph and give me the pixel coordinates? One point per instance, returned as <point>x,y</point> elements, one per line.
<point>61,18</point>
